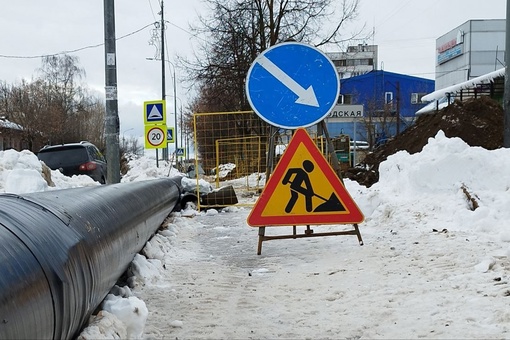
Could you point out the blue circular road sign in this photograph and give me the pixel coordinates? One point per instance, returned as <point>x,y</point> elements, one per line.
<point>292,85</point>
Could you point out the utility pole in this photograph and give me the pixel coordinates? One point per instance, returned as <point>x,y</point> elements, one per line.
<point>112,111</point>
<point>163,81</point>
<point>180,123</point>
<point>506,97</point>
<point>175,118</point>
<point>398,107</point>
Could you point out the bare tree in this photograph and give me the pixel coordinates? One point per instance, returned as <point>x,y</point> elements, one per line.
<point>131,145</point>
<point>236,31</point>
<point>55,107</point>
<point>90,120</point>
<point>61,75</point>
<point>24,104</point>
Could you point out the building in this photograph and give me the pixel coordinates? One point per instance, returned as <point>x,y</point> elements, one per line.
<point>11,135</point>
<point>378,104</point>
<point>471,50</point>
<point>356,61</point>
<point>469,64</point>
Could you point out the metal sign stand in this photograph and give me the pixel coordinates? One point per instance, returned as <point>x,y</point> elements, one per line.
<point>308,231</point>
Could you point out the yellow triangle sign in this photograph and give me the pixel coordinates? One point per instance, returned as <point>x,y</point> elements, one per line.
<point>304,190</point>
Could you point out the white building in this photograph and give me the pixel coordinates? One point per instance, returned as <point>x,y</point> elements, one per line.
<point>356,61</point>
<point>475,48</point>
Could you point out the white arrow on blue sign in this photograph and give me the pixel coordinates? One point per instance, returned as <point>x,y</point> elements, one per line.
<point>292,85</point>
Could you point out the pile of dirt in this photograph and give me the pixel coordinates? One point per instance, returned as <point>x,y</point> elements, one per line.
<point>478,122</point>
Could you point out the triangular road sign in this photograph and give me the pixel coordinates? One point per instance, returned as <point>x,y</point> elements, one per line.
<point>155,114</point>
<point>304,190</point>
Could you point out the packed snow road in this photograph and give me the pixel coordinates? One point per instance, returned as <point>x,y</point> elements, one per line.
<point>403,283</point>
<point>432,265</point>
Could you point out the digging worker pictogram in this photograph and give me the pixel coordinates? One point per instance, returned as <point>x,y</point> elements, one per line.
<point>296,186</point>
<point>301,185</point>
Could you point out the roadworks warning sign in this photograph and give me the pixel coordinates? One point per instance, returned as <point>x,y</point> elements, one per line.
<point>304,190</point>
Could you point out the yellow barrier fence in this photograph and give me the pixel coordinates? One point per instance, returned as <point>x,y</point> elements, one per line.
<point>230,150</point>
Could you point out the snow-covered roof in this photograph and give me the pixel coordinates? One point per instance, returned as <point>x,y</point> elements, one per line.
<point>9,125</point>
<point>464,85</point>
<point>433,106</point>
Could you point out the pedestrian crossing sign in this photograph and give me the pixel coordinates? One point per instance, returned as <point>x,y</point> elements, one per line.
<point>154,112</point>
<point>180,152</point>
<point>304,190</point>
<point>170,135</point>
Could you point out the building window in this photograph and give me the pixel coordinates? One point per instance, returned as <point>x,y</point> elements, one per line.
<point>388,97</point>
<point>339,62</point>
<point>366,62</point>
<point>416,97</point>
<point>345,99</point>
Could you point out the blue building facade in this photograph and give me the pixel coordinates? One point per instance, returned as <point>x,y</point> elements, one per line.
<point>377,105</point>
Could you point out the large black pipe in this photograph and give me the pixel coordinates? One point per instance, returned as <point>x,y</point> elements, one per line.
<point>62,251</point>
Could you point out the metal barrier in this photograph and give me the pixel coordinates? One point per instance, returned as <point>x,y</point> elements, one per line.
<point>62,251</point>
<point>229,138</point>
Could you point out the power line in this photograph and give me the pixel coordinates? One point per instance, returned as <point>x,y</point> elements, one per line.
<point>72,51</point>
<point>186,31</point>
<point>391,15</point>
<point>152,10</point>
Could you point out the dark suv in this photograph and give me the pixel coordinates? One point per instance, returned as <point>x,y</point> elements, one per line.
<point>81,158</point>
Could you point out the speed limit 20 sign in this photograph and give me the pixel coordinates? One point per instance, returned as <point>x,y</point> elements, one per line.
<point>155,136</point>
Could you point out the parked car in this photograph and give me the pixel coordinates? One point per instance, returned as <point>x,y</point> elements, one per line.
<point>359,152</point>
<point>82,158</point>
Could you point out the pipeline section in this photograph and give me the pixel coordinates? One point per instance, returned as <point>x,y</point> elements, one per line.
<point>62,251</point>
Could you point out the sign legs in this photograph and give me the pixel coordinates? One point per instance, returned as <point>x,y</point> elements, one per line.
<point>307,233</point>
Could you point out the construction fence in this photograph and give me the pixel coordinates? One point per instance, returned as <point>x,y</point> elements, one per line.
<point>231,149</point>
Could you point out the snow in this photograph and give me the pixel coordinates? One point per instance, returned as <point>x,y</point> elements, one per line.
<point>438,99</point>
<point>434,106</point>
<point>432,266</point>
<point>9,125</point>
<point>225,169</point>
<point>436,95</point>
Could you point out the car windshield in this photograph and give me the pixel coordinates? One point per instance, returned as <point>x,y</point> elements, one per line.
<point>56,158</point>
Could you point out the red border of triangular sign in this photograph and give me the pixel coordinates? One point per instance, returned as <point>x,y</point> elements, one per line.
<point>354,215</point>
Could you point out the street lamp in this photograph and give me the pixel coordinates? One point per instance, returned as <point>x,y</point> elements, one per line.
<point>124,139</point>
<point>175,112</point>
<point>180,119</point>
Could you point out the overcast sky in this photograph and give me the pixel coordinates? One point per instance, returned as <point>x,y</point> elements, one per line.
<point>405,31</point>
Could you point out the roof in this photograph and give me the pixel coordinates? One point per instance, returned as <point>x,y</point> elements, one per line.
<point>486,78</point>
<point>378,73</point>
<point>433,106</point>
<point>66,145</point>
<point>9,125</point>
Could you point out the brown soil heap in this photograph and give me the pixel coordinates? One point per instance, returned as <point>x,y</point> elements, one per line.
<point>478,122</point>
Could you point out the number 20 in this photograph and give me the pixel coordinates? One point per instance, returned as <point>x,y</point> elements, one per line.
<point>156,136</point>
